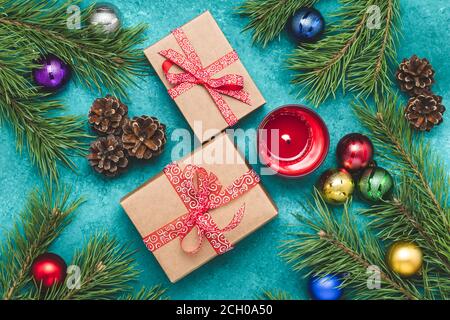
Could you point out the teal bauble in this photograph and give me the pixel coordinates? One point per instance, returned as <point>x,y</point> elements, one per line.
<point>375,184</point>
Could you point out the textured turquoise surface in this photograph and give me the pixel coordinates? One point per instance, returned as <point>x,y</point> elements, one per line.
<point>254,265</point>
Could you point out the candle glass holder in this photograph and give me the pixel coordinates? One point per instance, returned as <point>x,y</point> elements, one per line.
<point>293,140</point>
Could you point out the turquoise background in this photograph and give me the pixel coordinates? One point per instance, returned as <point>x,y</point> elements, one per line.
<point>254,264</point>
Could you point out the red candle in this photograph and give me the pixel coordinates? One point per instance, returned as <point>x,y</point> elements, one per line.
<point>293,140</point>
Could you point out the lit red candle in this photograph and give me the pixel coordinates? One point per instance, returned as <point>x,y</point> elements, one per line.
<point>293,140</point>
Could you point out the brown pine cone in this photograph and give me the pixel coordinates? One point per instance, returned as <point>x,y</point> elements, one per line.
<point>415,75</point>
<point>425,111</point>
<point>107,156</point>
<point>144,137</point>
<point>107,115</point>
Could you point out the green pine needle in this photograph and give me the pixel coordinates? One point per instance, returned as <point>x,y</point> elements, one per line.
<point>107,269</point>
<point>106,63</point>
<point>45,216</point>
<point>275,295</point>
<point>351,55</point>
<point>335,246</point>
<point>153,293</point>
<point>419,210</point>
<point>269,17</point>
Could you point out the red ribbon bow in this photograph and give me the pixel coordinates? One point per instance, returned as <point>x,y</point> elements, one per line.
<point>201,192</point>
<point>231,84</point>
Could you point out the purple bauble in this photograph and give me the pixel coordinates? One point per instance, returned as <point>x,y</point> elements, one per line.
<point>53,74</point>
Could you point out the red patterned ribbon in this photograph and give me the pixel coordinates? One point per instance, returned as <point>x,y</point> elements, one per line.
<point>231,84</point>
<point>201,192</point>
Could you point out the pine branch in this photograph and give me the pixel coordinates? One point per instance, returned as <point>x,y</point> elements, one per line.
<point>45,216</point>
<point>351,55</point>
<point>154,293</point>
<point>410,153</point>
<point>107,268</point>
<point>30,28</point>
<point>369,72</point>
<point>98,60</point>
<point>269,17</point>
<point>275,295</point>
<point>49,140</point>
<point>336,247</point>
<point>419,211</point>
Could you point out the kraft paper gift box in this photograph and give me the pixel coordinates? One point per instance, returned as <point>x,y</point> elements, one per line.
<point>156,204</point>
<point>192,97</point>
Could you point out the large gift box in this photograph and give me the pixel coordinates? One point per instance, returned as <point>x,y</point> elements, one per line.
<point>199,207</point>
<point>204,76</point>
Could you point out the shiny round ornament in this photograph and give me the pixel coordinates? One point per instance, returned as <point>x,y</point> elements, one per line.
<point>336,186</point>
<point>107,16</point>
<point>404,258</point>
<point>375,184</point>
<point>354,152</point>
<point>48,270</point>
<point>325,288</point>
<point>52,74</point>
<point>306,25</point>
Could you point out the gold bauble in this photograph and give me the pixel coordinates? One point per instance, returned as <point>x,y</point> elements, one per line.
<point>405,258</point>
<point>336,186</point>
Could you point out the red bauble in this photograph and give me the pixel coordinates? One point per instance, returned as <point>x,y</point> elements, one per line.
<point>49,269</point>
<point>354,152</point>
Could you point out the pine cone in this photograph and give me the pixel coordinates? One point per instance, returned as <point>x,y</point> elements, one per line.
<point>425,111</point>
<point>107,115</point>
<point>108,156</point>
<point>415,75</point>
<point>144,137</point>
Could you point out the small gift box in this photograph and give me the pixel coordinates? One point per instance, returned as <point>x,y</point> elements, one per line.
<point>199,207</point>
<point>204,76</point>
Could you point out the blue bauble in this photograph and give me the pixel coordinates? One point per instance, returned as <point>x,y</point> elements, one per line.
<point>325,288</point>
<point>306,25</point>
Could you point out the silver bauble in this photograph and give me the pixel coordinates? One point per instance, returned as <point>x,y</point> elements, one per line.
<point>107,16</point>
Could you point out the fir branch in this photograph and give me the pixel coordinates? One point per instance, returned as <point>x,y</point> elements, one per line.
<point>269,17</point>
<point>351,55</point>
<point>104,62</point>
<point>45,216</point>
<point>98,60</point>
<point>419,211</point>
<point>154,293</point>
<point>336,247</point>
<point>275,295</point>
<point>107,268</point>
<point>396,141</point>
<point>369,72</point>
<point>49,140</point>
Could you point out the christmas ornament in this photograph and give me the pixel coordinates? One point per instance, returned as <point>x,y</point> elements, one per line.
<point>354,152</point>
<point>375,184</point>
<point>425,111</point>
<point>107,156</point>
<point>293,140</point>
<point>306,25</point>
<point>405,258</point>
<point>415,75</point>
<point>144,137</point>
<point>107,16</point>
<point>325,288</point>
<point>107,115</point>
<point>52,74</point>
<point>336,186</point>
<point>48,269</point>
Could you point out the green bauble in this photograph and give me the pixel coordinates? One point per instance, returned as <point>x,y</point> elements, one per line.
<point>375,184</point>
